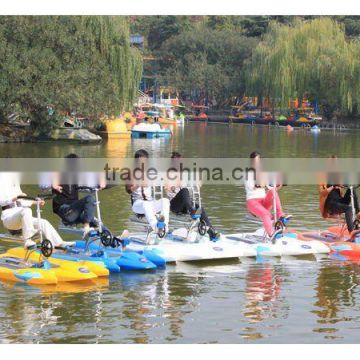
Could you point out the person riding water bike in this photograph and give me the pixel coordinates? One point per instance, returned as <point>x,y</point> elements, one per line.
<point>142,201</point>
<point>180,198</point>
<point>260,196</point>
<point>17,214</point>
<point>334,201</point>
<point>66,201</point>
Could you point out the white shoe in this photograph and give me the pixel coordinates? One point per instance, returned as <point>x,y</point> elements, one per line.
<point>29,244</point>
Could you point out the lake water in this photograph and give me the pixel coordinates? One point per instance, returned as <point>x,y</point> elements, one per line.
<point>278,301</point>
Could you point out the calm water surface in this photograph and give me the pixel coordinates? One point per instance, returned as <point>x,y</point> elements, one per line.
<point>287,301</point>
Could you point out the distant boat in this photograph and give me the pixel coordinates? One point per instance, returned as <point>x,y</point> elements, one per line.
<point>315,129</point>
<point>149,131</point>
<point>198,113</point>
<point>115,128</point>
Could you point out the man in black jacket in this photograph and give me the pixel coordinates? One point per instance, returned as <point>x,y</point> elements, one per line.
<point>66,201</point>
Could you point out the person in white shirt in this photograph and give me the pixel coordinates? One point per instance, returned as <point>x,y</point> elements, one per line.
<point>17,214</point>
<point>259,201</point>
<point>142,200</point>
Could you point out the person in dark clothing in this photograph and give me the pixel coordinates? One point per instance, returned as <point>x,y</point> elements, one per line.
<point>68,205</point>
<point>70,208</point>
<point>336,204</point>
<point>182,203</point>
<point>333,202</point>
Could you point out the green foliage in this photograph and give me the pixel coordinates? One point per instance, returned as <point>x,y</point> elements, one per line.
<point>82,64</point>
<point>160,28</point>
<point>255,26</point>
<point>209,62</point>
<point>312,58</point>
<point>351,24</point>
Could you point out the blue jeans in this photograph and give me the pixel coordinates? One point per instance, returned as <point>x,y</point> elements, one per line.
<point>79,212</point>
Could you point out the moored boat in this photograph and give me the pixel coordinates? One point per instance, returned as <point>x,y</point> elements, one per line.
<point>198,113</point>
<point>116,128</point>
<point>149,131</point>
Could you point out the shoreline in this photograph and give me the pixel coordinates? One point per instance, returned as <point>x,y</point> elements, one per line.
<point>24,134</point>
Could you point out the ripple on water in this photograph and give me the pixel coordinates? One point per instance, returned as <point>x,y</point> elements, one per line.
<point>275,301</point>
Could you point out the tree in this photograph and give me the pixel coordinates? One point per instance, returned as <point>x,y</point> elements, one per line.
<point>312,58</point>
<point>158,29</point>
<point>207,62</point>
<point>351,23</point>
<point>82,64</point>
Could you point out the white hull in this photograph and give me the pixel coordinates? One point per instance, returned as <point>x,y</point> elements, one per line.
<point>284,246</point>
<point>177,250</point>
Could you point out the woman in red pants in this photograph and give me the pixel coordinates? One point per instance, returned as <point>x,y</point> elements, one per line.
<point>260,197</point>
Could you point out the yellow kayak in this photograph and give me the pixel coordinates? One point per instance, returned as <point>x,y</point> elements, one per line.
<point>96,267</point>
<point>11,272</point>
<point>66,271</point>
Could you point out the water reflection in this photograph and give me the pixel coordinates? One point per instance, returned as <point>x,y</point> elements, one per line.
<point>31,313</point>
<point>336,292</point>
<point>158,302</point>
<point>262,293</point>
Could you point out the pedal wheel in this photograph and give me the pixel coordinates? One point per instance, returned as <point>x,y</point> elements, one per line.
<point>46,248</point>
<point>202,227</point>
<point>356,224</point>
<point>279,225</point>
<point>106,238</point>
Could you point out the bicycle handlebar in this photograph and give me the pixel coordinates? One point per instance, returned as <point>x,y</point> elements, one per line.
<point>39,197</point>
<point>348,186</point>
<point>89,188</point>
<point>93,188</point>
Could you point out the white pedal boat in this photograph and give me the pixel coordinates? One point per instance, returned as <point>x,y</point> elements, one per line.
<point>178,249</point>
<point>286,245</point>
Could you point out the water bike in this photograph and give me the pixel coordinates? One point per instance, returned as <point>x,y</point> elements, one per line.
<point>31,265</point>
<point>173,246</point>
<point>15,236</point>
<point>338,238</point>
<point>99,244</point>
<point>23,270</point>
<point>186,227</point>
<point>65,271</point>
<point>96,267</point>
<point>179,249</point>
<point>189,242</point>
<point>284,244</point>
<point>189,228</point>
<point>281,243</point>
<point>17,270</point>
<point>152,255</point>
